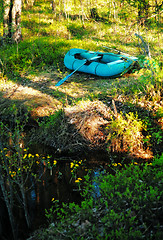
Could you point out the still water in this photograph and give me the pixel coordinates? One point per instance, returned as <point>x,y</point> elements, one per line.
<point>59,182</point>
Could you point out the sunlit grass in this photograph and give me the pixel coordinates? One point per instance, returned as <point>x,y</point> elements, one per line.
<point>36,63</point>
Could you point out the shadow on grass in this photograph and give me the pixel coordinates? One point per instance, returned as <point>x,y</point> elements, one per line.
<point>46,98</point>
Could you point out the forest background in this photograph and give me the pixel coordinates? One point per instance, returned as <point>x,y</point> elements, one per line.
<point>122,115</point>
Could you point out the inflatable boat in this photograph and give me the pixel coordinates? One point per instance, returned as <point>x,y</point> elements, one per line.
<point>98,63</point>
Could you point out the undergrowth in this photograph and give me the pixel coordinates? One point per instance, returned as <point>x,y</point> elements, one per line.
<point>125,206</point>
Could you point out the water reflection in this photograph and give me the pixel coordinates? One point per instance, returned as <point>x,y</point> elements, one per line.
<point>58,183</point>
<point>96,188</point>
<point>55,183</point>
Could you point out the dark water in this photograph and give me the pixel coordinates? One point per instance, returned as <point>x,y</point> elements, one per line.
<point>59,183</point>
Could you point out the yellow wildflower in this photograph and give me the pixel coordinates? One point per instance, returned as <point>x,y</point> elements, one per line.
<point>71,165</point>
<point>37,155</point>
<point>53,199</point>
<point>13,174</point>
<point>115,164</point>
<point>78,180</point>
<point>25,155</point>
<point>54,162</point>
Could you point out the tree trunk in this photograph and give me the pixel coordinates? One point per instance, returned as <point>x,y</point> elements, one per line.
<point>12,20</point>
<point>143,11</point>
<point>8,198</point>
<point>9,209</point>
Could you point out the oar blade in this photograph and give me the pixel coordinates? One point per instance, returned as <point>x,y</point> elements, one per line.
<point>63,80</point>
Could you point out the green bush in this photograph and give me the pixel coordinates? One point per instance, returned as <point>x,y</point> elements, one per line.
<point>128,206</point>
<point>125,133</point>
<point>38,54</point>
<point>52,121</point>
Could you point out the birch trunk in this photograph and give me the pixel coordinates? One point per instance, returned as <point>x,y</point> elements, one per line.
<point>12,20</point>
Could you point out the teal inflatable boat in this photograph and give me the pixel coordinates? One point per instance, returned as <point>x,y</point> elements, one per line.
<point>98,63</point>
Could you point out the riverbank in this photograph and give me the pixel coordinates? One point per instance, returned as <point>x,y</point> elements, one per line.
<point>85,112</point>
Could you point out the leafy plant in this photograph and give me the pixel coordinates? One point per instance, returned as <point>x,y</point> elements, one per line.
<point>125,133</point>
<point>51,121</point>
<point>129,206</point>
<point>19,169</point>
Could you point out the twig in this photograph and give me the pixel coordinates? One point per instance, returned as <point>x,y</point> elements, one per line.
<point>115,109</point>
<point>145,48</point>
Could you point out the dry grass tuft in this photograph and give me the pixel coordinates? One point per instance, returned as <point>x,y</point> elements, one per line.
<point>90,119</point>
<point>95,122</point>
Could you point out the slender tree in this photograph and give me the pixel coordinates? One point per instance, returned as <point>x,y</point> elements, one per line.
<point>8,198</point>
<point>12,20</point>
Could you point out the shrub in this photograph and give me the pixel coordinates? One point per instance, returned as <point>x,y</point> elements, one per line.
<point>128,206</point>
<point>125,133</point>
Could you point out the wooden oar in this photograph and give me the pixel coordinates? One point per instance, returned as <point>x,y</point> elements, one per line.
<point>95,56</point>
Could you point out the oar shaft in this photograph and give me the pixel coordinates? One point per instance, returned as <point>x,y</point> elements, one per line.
<point>64,79</point>
<point>95,56</point>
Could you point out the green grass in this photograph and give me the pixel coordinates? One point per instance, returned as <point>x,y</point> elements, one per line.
<point>37,61</point>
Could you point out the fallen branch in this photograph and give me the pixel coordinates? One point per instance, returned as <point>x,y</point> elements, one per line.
<point>145,48</point>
